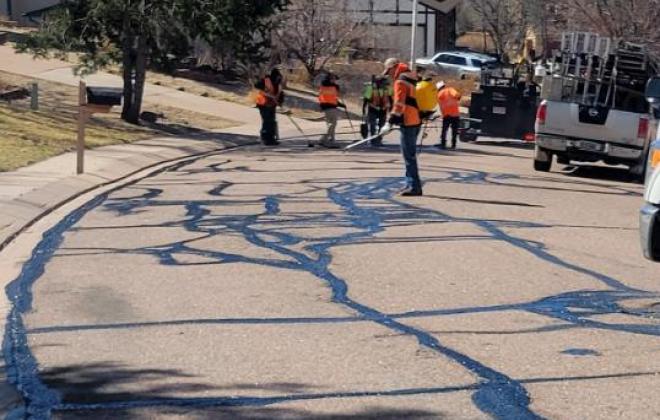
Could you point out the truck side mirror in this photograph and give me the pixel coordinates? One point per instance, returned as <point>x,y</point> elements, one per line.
<point>653,91</point>
<point>103,96</point>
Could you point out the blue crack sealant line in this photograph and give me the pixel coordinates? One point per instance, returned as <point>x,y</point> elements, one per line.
<point>495,394</point>
<point>498,395</point>
<point>21,365</point>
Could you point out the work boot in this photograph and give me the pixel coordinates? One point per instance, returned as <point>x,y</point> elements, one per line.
<point>329,144</point>
<point>411,192</point>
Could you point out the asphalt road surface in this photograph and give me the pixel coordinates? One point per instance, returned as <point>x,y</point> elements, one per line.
<point>295,283</point>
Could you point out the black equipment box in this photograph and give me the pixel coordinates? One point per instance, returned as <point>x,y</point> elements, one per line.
<point>505,111</point>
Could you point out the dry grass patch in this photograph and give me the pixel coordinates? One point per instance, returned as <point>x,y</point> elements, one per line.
<point>28,137</point>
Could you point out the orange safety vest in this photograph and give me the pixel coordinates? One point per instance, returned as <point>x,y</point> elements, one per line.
<point>267,96</point>
<point>405,102</point>
<point>329,95</point>
<point>379,99</point>
<point>449,100</point>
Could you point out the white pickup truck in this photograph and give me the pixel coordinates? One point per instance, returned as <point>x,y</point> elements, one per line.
<point>575,132</point>
<point>594,109</point>
<point>650,213</point>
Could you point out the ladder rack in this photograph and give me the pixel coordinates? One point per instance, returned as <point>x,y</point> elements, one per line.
<point>593,68</point>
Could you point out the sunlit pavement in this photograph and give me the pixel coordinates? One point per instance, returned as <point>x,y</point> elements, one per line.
<point>295,283</point>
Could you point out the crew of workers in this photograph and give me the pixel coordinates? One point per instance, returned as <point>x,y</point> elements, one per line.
<point>410,101</point>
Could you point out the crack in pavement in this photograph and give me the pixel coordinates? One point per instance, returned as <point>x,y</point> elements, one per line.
<point>496,394</point>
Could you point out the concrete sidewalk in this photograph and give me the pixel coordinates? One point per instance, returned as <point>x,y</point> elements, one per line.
<point>62,72</point>
<point>30,192</point>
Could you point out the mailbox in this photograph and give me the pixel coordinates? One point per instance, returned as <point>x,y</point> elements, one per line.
<point>103,96</point>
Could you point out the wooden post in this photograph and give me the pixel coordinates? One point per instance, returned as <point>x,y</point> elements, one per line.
<point>82,120</point>
<point>34,96</point>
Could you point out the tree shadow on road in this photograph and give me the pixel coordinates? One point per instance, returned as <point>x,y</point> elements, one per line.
<point>103,382</point>
<point>375,413</point>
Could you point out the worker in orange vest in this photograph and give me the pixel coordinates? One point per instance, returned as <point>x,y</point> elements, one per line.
<point>449,100</point>
<point>394,68</point>
<point>269,96</point>
<point>376,103</point>
<point>405,113</point>
<point>329,102</point>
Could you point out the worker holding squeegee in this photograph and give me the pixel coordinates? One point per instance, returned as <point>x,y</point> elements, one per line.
<point>405,113</point>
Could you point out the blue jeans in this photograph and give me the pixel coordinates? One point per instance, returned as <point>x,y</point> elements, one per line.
<point>409,137</point>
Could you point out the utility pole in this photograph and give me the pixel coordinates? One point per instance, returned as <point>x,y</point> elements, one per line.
<point>413,41</point>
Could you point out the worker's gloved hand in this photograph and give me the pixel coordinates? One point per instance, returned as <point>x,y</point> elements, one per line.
<point>395,120</point>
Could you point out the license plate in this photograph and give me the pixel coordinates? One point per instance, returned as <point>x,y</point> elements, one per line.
<point>589,146</point>
<point>499,110</point>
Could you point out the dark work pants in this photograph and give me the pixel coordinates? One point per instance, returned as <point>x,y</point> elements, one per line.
<point>376,119</point>
<point>409,137</point>
<point>268,124</point>
<point>453,123</point>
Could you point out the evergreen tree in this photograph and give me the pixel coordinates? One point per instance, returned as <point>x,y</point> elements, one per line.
<point>139,34</point>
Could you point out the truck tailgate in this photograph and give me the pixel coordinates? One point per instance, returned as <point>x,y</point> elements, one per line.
<point>601,124</point>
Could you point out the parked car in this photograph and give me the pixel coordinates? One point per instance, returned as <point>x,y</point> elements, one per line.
<point>650,213</point>
<point>457,63</point>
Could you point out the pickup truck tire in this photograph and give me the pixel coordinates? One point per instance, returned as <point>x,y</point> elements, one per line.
<point>542,160</point>
<point>541,166</point>
<point>638,172</point>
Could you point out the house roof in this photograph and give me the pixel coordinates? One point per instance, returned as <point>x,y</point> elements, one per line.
<point>39,12</point>
<point>445,6</point>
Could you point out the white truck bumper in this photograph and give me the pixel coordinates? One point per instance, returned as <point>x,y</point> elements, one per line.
<point>562,144</point>
<point>649,231</point>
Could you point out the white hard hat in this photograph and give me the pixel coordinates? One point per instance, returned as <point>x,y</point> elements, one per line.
<point>391,62</point>
<point>441,84</point>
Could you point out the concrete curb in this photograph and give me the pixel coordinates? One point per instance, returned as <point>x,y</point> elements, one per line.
<point>20,213</point>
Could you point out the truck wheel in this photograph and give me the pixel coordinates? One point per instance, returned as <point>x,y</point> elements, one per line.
<point>542,160</point>
<point>540,166</point>
<point>638,172</point>
<point>563,160</point>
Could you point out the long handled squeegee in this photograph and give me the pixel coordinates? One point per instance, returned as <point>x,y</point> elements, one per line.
<point>295,124</point>
<point>387,129</point>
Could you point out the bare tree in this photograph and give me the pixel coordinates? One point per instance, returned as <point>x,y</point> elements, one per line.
<point>630,20</point>
<point>506,21</point>
<point>316,31</point>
